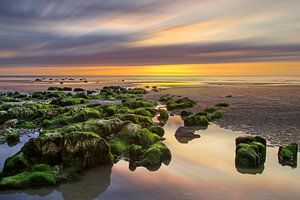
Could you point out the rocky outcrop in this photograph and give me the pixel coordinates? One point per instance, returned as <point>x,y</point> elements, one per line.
<point>287,155</point>
<point>250,152</point>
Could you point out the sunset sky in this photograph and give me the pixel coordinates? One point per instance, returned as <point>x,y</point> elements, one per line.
<point>150,37</point>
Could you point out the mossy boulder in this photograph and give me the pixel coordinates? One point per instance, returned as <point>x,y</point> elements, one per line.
<point>196,120</point>
<point>20,113</point>
<point>211,109</point>
<point>216,115</point>
<point>157,130</point>
<point>102,127</point>
<point>186,113</point>
<point>74,115</point>
<point>133,104</point>
<point>250,152</point>
<point>68,101</point>
<point>15,164</point>
<point>153,156</point>
<point>181,103</point>
<point>163,116</point>
<point>13,137</point>
<point>287,155</point>
<point>72,151</point>
<point>144,121</point>
<point>38,175</point>
<point>165,98</point>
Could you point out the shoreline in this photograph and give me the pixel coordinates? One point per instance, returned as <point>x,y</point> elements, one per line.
<point>267,109</point>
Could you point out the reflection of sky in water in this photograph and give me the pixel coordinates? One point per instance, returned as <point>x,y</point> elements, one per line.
<point>7,151</point>
<point>202,169</point>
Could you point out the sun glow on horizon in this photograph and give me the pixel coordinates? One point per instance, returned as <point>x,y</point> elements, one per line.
<point>227,69</point>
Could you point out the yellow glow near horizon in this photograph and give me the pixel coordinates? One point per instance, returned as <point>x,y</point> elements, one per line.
<point>228,69</point>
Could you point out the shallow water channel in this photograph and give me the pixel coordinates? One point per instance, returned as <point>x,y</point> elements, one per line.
<point>202,168</point>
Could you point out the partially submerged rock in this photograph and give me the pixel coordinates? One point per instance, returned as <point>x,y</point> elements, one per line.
<point>72,151</point>
<point>185,134</point>
<point>250,152</point>
<point>13,137</point>
<point>38,175</point>
<point>287,155</point>
<point>163,116</point>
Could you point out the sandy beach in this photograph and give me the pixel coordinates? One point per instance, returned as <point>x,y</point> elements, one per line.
<point>260,109</point>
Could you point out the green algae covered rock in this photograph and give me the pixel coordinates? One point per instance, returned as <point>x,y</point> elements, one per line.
<point>68,101</point>
<point>287,155</point>
<point>163,116</point>
<point>182,103</point>
<point>13,137</point>
<point>38,175</point>
<point>100,126</point>
<point>72,151</point>
<point>157,130</point>
<point>250,151</point>
<point>196,120</point>
<point>133,104</point>
<point>144,121</point>
<point>15,164</point>
<point>216,115</point>
<point>211,109</point>
<point>20,113</point>
<point>185,113</point>
<point>77,114</point>
<point>152,157</point>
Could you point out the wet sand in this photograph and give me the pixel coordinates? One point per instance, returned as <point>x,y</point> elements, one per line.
<point>272,111</point>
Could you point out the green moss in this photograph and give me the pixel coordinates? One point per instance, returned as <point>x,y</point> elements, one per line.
<point>72,116</point>
<point>202,114</point>
<point>141,137</point>
<point>68,101</point>
<point>13,137</point>
<point>165,98</point>
<point>118,146</point>
<point>137,119</point>
<point>39,175</point>
<point>181,103</point>
<point>222,105</point>
<point>133,104</point>
<point>15,164</point>
<point>157,130</point>
<point>155,155</point>
<point>216,115</point>
<point>135,152</point>
<point>287,155</point>
<point>163,116</point>
<point>250,152</point>
<point>196,120</point>
<point>143,112</point>
<point>186,113</point>
<point>211,110</point>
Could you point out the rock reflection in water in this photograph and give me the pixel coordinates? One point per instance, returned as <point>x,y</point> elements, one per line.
<point>86,186</point>
<point>185,134</point>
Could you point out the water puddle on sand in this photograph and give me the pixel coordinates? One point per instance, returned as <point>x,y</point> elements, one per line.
<point>201,168</point>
